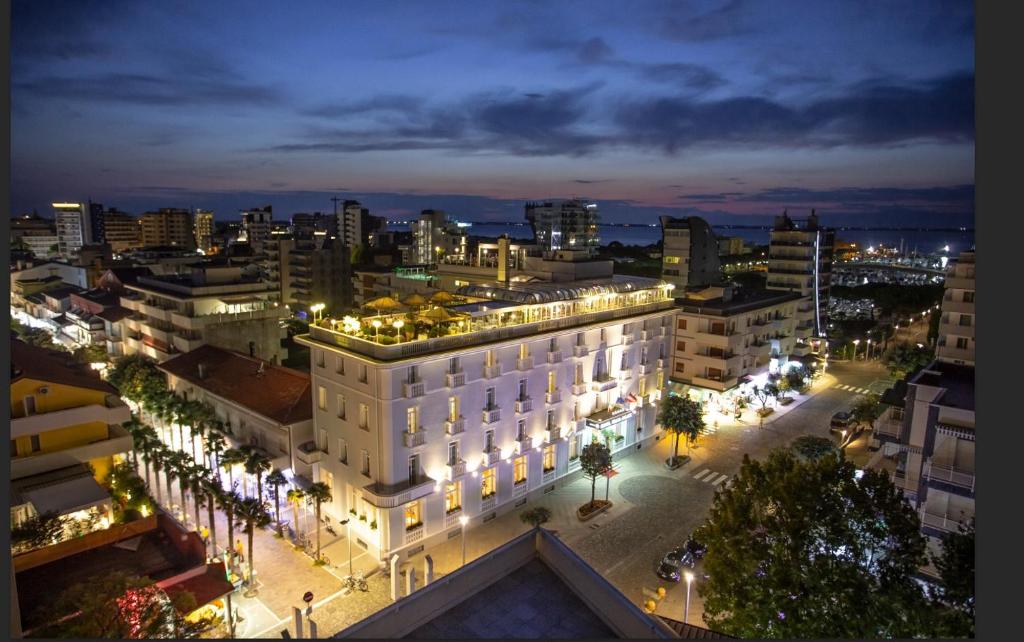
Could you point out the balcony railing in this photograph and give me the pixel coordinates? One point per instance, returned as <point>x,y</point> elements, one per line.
<point>454,427</point>
<point>454,469</point>
<point>646,335</point>
<point>413,439</point>
<point>455,379</point>
<point>413,390</point>
<point>309,453</point>
<point>942,522</point>
<point>604,382</point>
<point>493,371</point>
<point>491,415</point>
<point>646,368</point>
<point>524,405</point>
<point>523,445</point>
<point>579,388</point>
<point>949,475</point>
<point>111,411</point>
<point>524,363</point>
<point>554,356</point>
<point>580,351</point>
<point>628,338</point>
<point>552,434</point>
<point>491,456</point>
<point>553,397</point>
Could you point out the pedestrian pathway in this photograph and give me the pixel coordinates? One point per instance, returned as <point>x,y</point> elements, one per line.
<point>849,388</point>
<point>709,476</point>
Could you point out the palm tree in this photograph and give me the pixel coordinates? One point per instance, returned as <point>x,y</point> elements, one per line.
<point>256,463</point>
<point>215,445</point>
<point>319,493</point>
<point>231,458</point>
<point>172,465</point>
<point>295,496</point>
<point>275,480</point>
<point>196,474</point>
<point>251,512</point>
<point>211,487</point>
<point>134,428</point>
<point>228,501</point>
<point>157,453</point>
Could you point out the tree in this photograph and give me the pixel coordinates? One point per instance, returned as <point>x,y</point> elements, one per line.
<point>319,493</point>
<point>229,459</point>
<point>764,394</point>
<point>906,359</point>
<point>37,531</point>
<point>783,386</point>
<point>228,501</point>
<point>807,549</point>
<point>535,516</point>
<point>795,378</point>
<point>295,496</point>
<point>120,606</point>
<point>682,417</point>
<point>866,410</point>
<point>253,515</point>
<point>90,354</point>
<point>256,463</point>
<point>215,445</point>
<point>813,447</point>
<point>954,595</point>
<point>38,337</point>
<point>211,488</point>
<point>594,460</point>
<point>276,480</point>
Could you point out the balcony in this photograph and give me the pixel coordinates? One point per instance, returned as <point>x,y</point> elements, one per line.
<point>413,390</point>
<point>661,364</point>
<point>451,518</point>
<point>760,349</point>
<point>116,442</point>
<point>955,354</point>
<point>803,331</point>
<point>308,453</point>
<point>455,427</point>
<point>578,388</point>
<point>491,457</point>
<point>491,415</point>
<point>949,475</point>
<point>394,495</point>
<point>413,439</point>
<point>960,283</point>
<point>493,371</point>
<point>580,351</point>
<point>523,445</point>
<point>604,382</point>
<point>554,356</point>
<point>553,397</point>
<point>646,368</point>
<point>455,379</point>
<point>524,363</point>
<point>958,307</point>
<point>628,338</point>
<point>889,428</point>
<point>524,405</point>
<point>646,335</point>
<point>414,533</point>
<point>552,434</point>
<point>454,470</point>
<point>113,411</point>
<point>947,329</point>
<point>942,522</point>
<point>717,383</point>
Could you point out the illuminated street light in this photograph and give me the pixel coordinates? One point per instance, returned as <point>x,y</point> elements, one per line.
<point>463,520</point>
<point>376,328</point>
<point>686,611</point>
<point>398,327</point>
<point>315,308</point>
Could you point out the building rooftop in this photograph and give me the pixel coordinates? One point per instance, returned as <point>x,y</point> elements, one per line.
<point>63,292</point>
<point>742,300</point>
<point>546,292</point>
<point>278,393</point>
<point>114,314</point>
<point>957,380</point>
<point>30,362</point>
<point>896,395</point>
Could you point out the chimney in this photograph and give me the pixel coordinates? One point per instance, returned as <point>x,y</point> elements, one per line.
<point>503,259</point>
<point>202,370</point>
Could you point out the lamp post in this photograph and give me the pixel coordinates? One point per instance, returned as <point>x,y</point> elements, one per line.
<point>348,536</point>
<point>856,342</point>
<point>376,328</point>
<point>398,323</point>
<point>686,611</point>
<point>463,520</point>
<point>315,308</point>
<point>868,351</point>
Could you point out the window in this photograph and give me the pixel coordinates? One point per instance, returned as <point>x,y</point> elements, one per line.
<point>453,408</point>
<point>579,339</point>
<point>969,296</point>
<point>14,448</point>
<point>680,366</point>
<point>30,405</point>
<point>961,343</point>
<point>489,441</point>
<point>643,355</point>
<point>364,416</point>
<point>362,373</point>
<point>551,382</point>
<point>520,470</point>
<point>642,387</point>
<point>577,378</point>
<point>576,411</point>
<point>324,442</point>
<point>411,424</point>
<point>414,468</point>
<point>414,374</point>
<point>661,380</point>
<point>412,515</point>
<point>671,260</point>
<point>490,399</point>
<point>321,398</point>
<point>661,350</point>
<point>339,366</point>
<point>682,324</point>
<point>549,458</point>
<point>453,497</point>
<point>488,485</point>
<point>551,419</point>
<point>319,358</point>
<point>574,446</point>
<point>342,451</point>
<point>522,390</point>
<point>602,335</point>
<point>453,453</point>
<point>36,447</point>
<point>624,362</point>
<point>965,320</point>
<point>365,467</point>
<point>553,345</point>
<point>521,430</point>
<point>454,366</point>
<point>341,406</point>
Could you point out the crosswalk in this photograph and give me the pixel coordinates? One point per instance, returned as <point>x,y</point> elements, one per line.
<point>709,476</point>
<point>849,388</point>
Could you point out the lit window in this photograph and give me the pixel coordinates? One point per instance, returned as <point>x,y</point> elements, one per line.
<point>411,424</point>
<point>453,497</point>
<point>488,485</point>
<point>412,515</point>
<point>453,409</point>
<point>365,468</point>
<point>321,398</point>
<point>364,416</point>
<point>549,458</point>
<point>520,469</point>
<point>341,406</point>
<point>551,382</point>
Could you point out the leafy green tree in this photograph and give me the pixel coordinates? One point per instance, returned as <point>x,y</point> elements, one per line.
<point>813,447</point>
<point>807,549</point>
<point>783,386</point>
<point>765,393</point>
<point>867,409</point>
<point>906,359</point>
<point>594,460</point>
<point>681,416</point>
<point>38,337</point>
<point>256,463</point>
<point>37,531</point>
<point>90,354</point>
<point>120,606</point>
<point>319,493</point>
<point>954,594</point>
<point>535,516</point>
<point>295,497</point>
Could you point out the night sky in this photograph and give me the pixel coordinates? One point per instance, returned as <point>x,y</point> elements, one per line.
<point>864,110</point>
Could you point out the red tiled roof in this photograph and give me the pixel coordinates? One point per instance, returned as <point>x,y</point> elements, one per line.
<point>206,587</point>
<point>31,362</point>
<point>279,393</point>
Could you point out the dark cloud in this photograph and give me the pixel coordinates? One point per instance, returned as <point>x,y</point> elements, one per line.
<point>694,76</point>
<point>726,21</point>
<point>594,50</point>
<point>593,181</point>
<point>962,194</point>
<point>707,198</point>
<point>382,103</point>
<point>34,41</point>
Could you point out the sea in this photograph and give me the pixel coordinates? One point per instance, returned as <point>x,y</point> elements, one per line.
<point>924,241</point>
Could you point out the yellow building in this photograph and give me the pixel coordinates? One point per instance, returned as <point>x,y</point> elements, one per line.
<point>62,417</point>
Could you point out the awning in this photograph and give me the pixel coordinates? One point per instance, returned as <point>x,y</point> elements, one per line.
<point>206,587</point>
<point>607,416</point>
<point>609,473</point>
<point>67,496</point>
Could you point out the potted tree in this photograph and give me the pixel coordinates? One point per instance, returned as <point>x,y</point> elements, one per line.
<point>682,417</point>
<point>595,459</point>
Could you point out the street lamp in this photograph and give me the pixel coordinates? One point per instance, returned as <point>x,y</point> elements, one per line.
<point>315,308</point>
<point>463,520</point>
<point>686,611</point>
<point>376,328</point>
<point>398,323</point>
<point>868,356</point>
<point>856,342</point>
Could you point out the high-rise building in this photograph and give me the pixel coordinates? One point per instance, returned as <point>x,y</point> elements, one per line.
<point>97,229</point>
<point>436,238</point>
<point>956,326</point>
<point>168,227</point>
<point>564,225</point>
<point>256,225</point>
<point>800,260</point>
<point>204,230</point>
<point>36,234</point>
<point>122,231</point>
<point>72,228</point>
<point>422,430</point>
<point>309,271</point>
<point>689,253</point>
<point>305,225</point>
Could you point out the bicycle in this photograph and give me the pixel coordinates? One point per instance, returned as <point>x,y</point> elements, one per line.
<point>357,581</point>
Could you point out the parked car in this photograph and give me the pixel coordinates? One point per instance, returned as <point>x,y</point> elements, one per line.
<point>695,548</point>
<point>671,567</point>
<point>841,420</point>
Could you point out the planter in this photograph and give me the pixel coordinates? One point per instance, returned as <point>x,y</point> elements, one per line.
<point>674,463</point>
<point>764,412</point>
<point>591,510</point>
<point>785,401</point>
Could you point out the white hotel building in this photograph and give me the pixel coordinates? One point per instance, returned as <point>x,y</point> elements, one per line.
<point>417,434</point>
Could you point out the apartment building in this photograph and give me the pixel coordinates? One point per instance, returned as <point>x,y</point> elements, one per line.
<point>203,227</point>
<point>356,226</point>
<point>72,225</point>
<point>689,253</point>
<point>724,336</point>
<point>257,224</point>
<point>308,271</point>
<point>122,231</point>
<point>211,304</point>
<point>435,237</point>
<point>35,234</point>
<point>168,227</point>
<point>927,428</point>
<point>485,408</point>
<point>565,225</point>
<point>63,416</point>
<point>800,256</point>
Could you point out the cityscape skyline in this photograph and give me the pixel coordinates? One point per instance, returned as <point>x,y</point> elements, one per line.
<point>873,121</point>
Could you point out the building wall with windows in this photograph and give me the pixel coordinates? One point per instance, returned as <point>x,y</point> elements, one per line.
<point>957,324</point>
<point>416,443</point>
<point>800,257</point>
